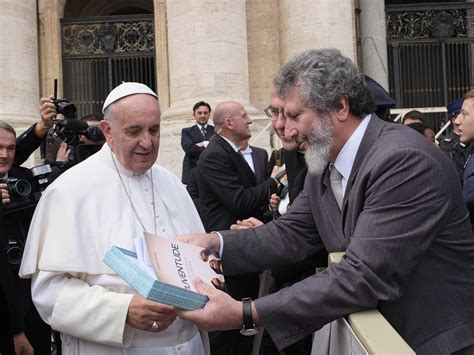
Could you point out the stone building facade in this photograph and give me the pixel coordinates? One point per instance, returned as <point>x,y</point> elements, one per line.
<point>209,50</point>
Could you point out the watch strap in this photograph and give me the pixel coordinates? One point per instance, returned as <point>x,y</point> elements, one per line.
<point>247,313</point>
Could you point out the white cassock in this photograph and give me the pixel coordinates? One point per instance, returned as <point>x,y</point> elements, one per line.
<point>79,217</point>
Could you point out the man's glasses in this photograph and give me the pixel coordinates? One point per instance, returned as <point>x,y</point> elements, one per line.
<point>272,112</point>
<point>243,117</point>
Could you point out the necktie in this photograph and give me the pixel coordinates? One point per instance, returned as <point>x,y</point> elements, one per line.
<point>335,178</point>
<point>203,131</point>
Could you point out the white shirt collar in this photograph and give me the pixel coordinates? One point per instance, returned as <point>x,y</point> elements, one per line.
<point>247,151</point>
<point>201,126</point>
<point>345,158</point>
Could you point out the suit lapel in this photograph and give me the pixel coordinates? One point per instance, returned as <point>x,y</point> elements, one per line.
<point>209,132</point>
<point>257,166</point>
<point>196,134</point>
<point>370,136</point>
<point>238,160</point>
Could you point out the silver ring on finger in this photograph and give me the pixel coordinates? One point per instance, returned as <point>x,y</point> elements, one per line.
<point>156,324</point>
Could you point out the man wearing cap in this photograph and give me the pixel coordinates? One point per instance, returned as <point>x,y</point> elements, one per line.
<point>451,145</point>
<point>109,199</point>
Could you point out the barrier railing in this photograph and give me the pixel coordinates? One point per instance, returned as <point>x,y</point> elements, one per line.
<point>370,327</point>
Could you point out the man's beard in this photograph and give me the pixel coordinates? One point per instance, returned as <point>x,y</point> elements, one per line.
<point>319,145</point>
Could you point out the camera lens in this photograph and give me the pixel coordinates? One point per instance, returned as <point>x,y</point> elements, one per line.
<point>22,187</point>
<point>14,255</point>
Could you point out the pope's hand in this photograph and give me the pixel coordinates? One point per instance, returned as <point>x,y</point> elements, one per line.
<point>148,315</point>
<point>209,241</point>
<point>221,312</point>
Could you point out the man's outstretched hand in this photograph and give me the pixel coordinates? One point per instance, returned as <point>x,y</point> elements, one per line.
<point>221,312</point>
<point>209,241</point>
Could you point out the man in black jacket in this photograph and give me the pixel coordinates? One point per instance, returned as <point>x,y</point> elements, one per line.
<point>194,139</point>
<point>18,315</point>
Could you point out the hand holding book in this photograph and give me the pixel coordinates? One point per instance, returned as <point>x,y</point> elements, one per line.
<point>173,264</point>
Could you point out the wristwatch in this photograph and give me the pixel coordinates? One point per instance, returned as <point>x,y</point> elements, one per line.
<point>248,328</point>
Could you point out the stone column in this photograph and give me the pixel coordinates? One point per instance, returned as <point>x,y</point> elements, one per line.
<point>373,35</point>
<point>161,45</point>
<point>207,53</point>
<point>263,49</point>
<point>19,78</point>
<point>316,24</point>
<point>50,12</point>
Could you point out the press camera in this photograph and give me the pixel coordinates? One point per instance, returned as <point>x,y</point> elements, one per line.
<point>24,196</point>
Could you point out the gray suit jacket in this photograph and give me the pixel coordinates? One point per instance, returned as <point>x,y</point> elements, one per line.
<point>408,242</point>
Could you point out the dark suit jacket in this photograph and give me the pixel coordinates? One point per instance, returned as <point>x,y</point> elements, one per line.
<point>228,189</point>
<point>26,144</point>
<point>458,152</point>
<point>296,170</point>
<point>260,164</point>
<point>469,187</point>
<point>408,243</point>
<point>189,137</point>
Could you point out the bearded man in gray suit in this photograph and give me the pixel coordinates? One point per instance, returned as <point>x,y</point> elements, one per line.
<point>376,190</point>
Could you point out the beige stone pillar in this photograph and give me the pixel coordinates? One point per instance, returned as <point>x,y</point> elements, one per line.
<point>263,49</point>
<point>19,79</point>
<point>207,54</point>
<point>316,24</point>
<point>161,45</point>
<point>373,36</point>
<point>50,12</point>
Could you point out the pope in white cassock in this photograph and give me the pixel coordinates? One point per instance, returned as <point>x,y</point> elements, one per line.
<point>109,199</point>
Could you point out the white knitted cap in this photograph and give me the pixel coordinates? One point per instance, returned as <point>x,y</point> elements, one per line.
<point>126,89</point>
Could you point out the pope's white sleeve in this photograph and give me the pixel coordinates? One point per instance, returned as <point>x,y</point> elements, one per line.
<point>70,305</point>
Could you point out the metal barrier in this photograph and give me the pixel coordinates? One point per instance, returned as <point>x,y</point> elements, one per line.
<point>371,329</point>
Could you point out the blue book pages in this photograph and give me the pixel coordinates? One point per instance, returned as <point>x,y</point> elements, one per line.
<point>125,264</point>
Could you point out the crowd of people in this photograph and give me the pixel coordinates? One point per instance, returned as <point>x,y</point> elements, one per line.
<point>347,179</point>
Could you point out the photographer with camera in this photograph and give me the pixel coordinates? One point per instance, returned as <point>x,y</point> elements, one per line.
<point>70,140</point>
<point>31,139</point>
<point>25,329</point>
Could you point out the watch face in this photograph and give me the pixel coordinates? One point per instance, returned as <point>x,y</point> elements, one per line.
<point>249,332</point>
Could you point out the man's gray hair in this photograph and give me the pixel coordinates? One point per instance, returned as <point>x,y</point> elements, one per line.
<point>324,77</point>
<point>7,127</point>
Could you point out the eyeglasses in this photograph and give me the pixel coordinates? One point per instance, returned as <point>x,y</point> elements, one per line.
<point>243,117</point>
<point>272,112</point>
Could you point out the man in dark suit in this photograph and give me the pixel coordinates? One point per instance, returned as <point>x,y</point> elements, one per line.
<point>21,323</point>
<point>257,158</point>
<point>451,145</point>
<point>377,191</point>
<point>194,139</point>
<point>228,191</point>
<point>464,122</point>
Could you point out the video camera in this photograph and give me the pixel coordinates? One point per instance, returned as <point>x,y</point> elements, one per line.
<point>69,128</point>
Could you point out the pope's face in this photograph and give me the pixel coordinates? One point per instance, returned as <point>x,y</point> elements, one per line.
<point>7,151</point>
<point>134,133</point>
